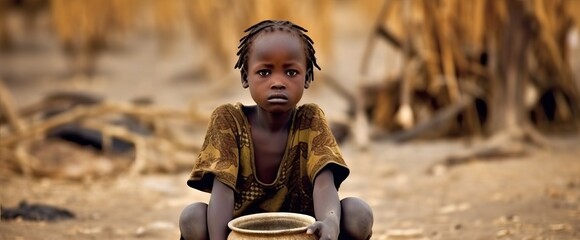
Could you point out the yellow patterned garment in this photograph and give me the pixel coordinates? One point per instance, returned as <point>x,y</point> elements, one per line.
<point>227,154</point>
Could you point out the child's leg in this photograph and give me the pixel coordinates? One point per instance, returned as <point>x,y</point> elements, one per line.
<point>356,220</point>
<point>193,222</point>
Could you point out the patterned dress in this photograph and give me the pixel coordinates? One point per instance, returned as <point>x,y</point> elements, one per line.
<point>227,153</point>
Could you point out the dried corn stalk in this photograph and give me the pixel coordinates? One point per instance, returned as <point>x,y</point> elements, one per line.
<point>519,56</point>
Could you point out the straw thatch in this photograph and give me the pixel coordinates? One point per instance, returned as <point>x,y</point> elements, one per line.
<point>489,63</point>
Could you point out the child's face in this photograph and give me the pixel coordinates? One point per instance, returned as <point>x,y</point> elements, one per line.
<point>276,71</point>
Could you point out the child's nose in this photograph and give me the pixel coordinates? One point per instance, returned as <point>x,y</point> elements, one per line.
<point>277,85</point>
<point>278,82</point>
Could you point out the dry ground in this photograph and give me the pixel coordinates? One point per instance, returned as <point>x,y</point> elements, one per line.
<point>536,196</point>
<point>529,197</point>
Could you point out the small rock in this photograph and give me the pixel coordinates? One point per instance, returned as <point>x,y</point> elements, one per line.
<point>560,227</point>
<point>506,219</point>
<point>454,208</point>
<point>410,232</point>
<point>35,212</point>
<point>503,232</point>
<point>89,231</point>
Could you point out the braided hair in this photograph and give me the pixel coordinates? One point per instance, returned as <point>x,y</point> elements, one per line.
<point>272,25</point>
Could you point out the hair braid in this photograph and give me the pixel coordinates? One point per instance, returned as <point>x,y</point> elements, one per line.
<point>272,25</point>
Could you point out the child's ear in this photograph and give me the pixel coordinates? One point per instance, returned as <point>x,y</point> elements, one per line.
<point>245,82</point>
<point>308,79</point>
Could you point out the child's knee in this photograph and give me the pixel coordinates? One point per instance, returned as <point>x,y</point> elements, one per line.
<point>356,207</point>
<point>192,221</point>
<point>356,218</point>
<point>195,212</point>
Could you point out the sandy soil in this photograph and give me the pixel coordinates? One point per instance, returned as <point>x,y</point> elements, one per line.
<point>535,196</point>
<point>529,197</point>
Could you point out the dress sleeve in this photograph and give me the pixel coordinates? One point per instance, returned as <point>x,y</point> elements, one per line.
<point>219,155</point>
<point>323,149</point>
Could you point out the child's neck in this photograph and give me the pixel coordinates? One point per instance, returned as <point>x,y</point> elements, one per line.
<point>273,122</point>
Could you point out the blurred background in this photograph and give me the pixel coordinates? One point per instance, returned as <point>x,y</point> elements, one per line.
<point>104,105</point>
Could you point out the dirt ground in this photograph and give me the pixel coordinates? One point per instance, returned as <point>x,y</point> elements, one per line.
<point>529,197</point>
<point>534,196</point>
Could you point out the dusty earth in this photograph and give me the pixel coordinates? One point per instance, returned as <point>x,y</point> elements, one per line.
<point>529,197</point>
<point>533,196</point>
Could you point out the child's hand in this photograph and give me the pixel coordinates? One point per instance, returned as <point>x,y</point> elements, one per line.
<point>327,229</point>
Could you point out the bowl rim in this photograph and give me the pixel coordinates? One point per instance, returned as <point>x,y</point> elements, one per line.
<point>291,215</point>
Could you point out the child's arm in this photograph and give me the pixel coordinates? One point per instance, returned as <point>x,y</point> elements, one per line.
<point>326,206</point>
<point>220,210</point>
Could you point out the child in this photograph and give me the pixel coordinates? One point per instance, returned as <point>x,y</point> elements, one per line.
<point>273,156</point>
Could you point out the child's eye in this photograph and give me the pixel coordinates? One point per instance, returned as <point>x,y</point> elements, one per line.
<point>291,73</point>
<point>264,73</point>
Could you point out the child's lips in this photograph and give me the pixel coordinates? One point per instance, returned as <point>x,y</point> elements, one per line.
<point>277,98</point>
